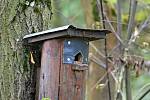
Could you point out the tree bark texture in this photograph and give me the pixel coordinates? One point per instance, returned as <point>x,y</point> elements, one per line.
<point>17,18</point>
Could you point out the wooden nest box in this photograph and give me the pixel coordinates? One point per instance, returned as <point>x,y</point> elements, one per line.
<point>63,61</point>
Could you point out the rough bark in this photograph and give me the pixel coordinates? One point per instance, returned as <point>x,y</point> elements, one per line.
<point>17,18</point>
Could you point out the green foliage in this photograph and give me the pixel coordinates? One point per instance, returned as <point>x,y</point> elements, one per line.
<point>37,10</point>
<point>144,1</point>
<point>95,11</point>
<point>24,6</point>
<point>71,12</point>
<point>46,99</point>
<point>141,15</point>
<point>111,1</point>
<point>48,3</point>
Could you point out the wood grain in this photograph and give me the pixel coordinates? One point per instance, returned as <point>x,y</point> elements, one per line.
<point>59,81</point>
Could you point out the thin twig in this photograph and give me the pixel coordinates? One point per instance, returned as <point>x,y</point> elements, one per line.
<point>119,25</point>
<point>109,87</point>
<point>113,49</point>
<point>98,82</point>
<point>119,30</point>
<point>132,11</point>
<point>97,61</point>
<point>99,52</point>
<point>114,32</point>
<point>145,87</point>
<point>127,82</point>
<point>115,21</point>
<point>104,19</point>
<point>138,31</point>
<point>101,12</point>
<point>100,4</point>
<point>144,94</point>
<point>145,24</point>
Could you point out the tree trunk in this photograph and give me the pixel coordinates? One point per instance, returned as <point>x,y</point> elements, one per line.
<point>17,18</point>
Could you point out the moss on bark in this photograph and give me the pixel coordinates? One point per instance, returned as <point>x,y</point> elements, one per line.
<point>18,18</point>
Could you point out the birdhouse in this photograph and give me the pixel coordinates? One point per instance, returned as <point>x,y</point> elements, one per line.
<point>63,61</point>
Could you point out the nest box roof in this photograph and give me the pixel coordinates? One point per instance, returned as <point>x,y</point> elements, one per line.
<point>67,31</point>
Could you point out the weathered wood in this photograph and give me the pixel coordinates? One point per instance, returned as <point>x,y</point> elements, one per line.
<point>60,81</point>
<point>50,66</point>
<point>67,31</point>
<point>72,83</point>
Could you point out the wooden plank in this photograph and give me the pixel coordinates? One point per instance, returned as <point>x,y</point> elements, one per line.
<point>72,82</point>
<point>49,74</point>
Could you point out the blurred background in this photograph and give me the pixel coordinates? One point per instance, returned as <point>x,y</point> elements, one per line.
<point>85,14</point>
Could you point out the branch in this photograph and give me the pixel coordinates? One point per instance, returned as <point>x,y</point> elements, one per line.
<point>145,24</point>
<point>106,19</point>
<point>119,23</point>
<point>97,61</point>
<point>113,49</point>
<point>114,32</point>
<point>132,11</point>
<point>101,12</point>
<point>137,31</point>
<point>115,21</point>
<point>127,83</point>
<point>99,52</point>
<point>143,92</point>
<point>106,60</point>
<point>99,81</point>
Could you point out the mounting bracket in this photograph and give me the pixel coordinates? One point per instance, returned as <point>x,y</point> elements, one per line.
<point>73,47</point>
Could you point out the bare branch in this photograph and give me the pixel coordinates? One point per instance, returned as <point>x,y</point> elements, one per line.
<point>132,11</point>
<point>101,12</point>
<point>97,61</point>
<point>115,21</point>
<point>119,23</point>
<point>143,92</point>
<point>113,49</point>
<point>145,24</point>
<point>137,31</point>
<point>106,19</point>
<point>114,32</point>
<point>99,52</point>
<point>99,81</point>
